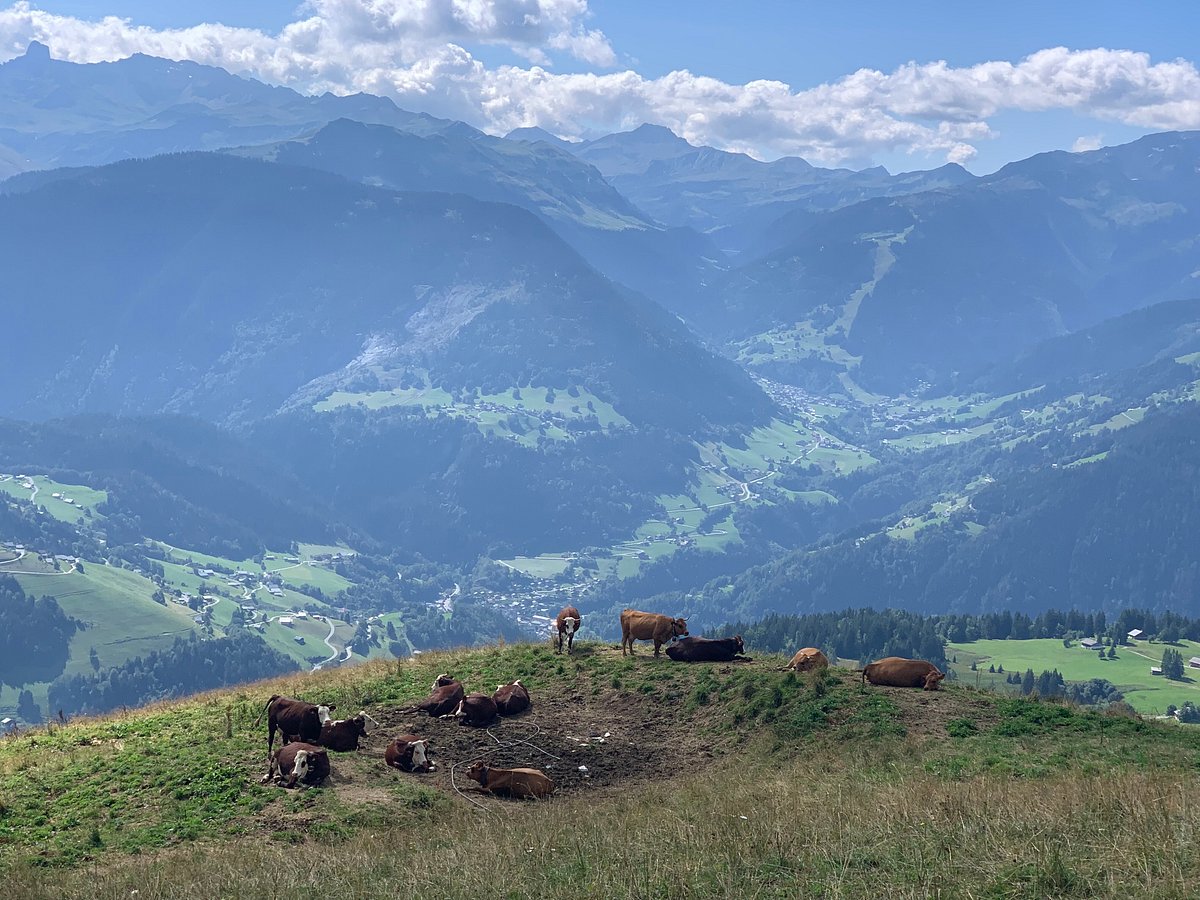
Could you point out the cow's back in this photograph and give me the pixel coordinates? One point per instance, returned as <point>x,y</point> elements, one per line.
<point>896,671</point>
<point>643,626</point>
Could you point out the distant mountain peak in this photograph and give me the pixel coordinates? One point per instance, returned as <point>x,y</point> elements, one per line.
<point>532,134</point>
<point>650,132</point>
<point>37,51</point>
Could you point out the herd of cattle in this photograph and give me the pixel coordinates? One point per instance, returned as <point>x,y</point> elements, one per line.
<point>309,731</point>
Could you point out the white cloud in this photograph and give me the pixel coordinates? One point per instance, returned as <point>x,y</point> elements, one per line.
<point>415,51</point>
<point>1087,142</point>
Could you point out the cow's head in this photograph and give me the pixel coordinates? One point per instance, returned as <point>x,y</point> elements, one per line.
<point>570,625</point>
<point>356,725</point>
<point>299,767</point>
<point>478,772</point>
<point>418,753</point>
<point>678,628</point>
<point>737,642</point>
<point>441,681</point>
<point>933,679</point>
<point>323,712</point>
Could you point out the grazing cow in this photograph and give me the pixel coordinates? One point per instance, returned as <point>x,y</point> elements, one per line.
<point>896,671</point>
<point>298,763</point>
<point>807,660</point>
<point>447,693</point>
<point>409,753</point>
<point>511,698</point>
<point>568,623</point>
<point>523,784</point>
<point>295,720</point>
<point>476,710</point>
<point>342,735</point>
<point>644,626</point>
<point>697,649</point>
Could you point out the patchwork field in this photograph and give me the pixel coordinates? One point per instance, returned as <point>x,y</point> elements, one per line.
<point>74,501</point>
<point>1129,671</point>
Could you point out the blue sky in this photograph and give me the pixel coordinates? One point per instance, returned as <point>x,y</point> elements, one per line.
<point>803,44</point>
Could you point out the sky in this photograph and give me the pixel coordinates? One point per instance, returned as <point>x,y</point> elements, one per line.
<point>907,85</point>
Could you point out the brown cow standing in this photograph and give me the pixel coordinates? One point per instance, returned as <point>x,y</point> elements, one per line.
<point>896,671</point>
<point>298,762</point>
<point>523,784</point>
<point>295,719</point>
<point>409,753</point>
<point>511,698</point>
<point>807,660</point>
<point>568,623</point>
<point>644,626</point>
<point>447,693</point>
<point>342,735</point>
<point>476,710</point>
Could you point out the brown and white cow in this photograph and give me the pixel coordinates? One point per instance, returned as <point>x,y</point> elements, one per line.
<point>523,784</point>
<point>476,710</point>
<point>896,671</point>
<point>409,753</point>
<point>295,720</point>
<point>807,660</point>
<point>342,736</point>
<point>298,763</point>
<point>567,623</point>
<point>644,626</point>
<point>697,649</point>
<point>511,698</point>
<point>443,700</point>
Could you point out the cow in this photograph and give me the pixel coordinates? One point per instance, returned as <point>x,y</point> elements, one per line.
<point>807,660</point>
<point>342,736</point>
<point>298,763</point>
<point>476,710</point>
<point>444,698</point>
<point>697,649</point>
<point>644,626</point>
<point>567,623</point>
<point>295,720</point>
<point>511,698</point>
<point>409,753</point>
<point>523,784</point>
<point>896,671</point>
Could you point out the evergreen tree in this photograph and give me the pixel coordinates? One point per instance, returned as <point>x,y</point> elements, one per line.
<point>1028,682</point>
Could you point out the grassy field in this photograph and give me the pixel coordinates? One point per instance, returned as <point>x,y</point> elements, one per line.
<point>1129,671</point>
<point>122,621</point>
<point>696,781</point>
<point>85,498</point>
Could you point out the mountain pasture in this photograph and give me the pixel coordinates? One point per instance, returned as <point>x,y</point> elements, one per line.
<point>704,765</point>
<point>1129,671</point>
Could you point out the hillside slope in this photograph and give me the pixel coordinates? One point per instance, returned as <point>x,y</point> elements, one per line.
<point>708,766</point>
<point>221,287</point>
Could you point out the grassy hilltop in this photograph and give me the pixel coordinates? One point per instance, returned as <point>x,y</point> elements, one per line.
<point>702,780</point>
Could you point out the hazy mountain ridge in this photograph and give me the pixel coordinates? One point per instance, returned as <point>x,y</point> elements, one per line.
<point>252,279</point>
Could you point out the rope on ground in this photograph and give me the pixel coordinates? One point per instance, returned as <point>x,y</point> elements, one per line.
<point>500,745</point>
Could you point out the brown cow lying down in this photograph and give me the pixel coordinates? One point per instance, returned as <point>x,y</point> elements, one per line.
<point>896,671</point>
<point>511,698</point>
<point>807,660</point>
<point>298,763</point>
<point>567,623</point>
<point>447,693</point>
<point>523,784</point>
<point>409,753</point>
<point>476,710</point>
<point>343,735</point>
<point>696,649</point>
<point>644,626</point>
<point>295,720</point>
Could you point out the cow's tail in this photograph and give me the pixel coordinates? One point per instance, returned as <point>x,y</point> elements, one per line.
<point>258,721</point>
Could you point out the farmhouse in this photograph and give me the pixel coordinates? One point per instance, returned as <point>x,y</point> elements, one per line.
<point>1194,662</point>
<point>1136,634</point>
<point>1156,670</point>
<point>1091,644</point>
<point>286,620</point>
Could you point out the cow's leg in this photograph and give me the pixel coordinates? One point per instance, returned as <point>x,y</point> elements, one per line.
<point>657,646</point>
<point>570,642</point>
<point>558,646</point>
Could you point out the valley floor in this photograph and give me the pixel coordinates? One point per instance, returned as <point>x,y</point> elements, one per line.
<point>678,781</point>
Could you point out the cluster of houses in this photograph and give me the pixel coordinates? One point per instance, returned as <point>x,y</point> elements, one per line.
<point>1135,634</point>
